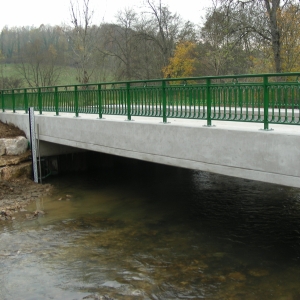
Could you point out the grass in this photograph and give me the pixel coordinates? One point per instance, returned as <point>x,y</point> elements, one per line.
<point>67,75</point>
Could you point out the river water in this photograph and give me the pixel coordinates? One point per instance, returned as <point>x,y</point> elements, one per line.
<point>155,232</point>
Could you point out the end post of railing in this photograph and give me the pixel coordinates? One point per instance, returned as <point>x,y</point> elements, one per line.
<point>26,101</point>
<point>99,102</point>
<point>266,102</point>
<point>2,100</point>
<point>40,101</point>
<point>208,104</point>
<point>128,101</point>
<point>164,100</point>
<point>13,101</point>
<point>76,100</point>
<point>56,101</point>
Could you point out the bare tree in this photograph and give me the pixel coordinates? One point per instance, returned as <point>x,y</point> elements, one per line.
<point>165,28</point>
<point>38,64</point>
<point>82,39</point>
<point>120,42</point>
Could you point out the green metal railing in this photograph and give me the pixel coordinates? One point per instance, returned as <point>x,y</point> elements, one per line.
<point>260,98</point>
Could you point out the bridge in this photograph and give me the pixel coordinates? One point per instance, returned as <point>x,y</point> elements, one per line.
<point>219,124</point>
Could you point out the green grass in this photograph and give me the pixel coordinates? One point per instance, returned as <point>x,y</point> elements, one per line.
<point>8,70</point>
<point>67,75</point>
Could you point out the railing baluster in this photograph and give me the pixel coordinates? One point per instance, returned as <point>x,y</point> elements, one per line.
<point>13,101</point>
<point>128,101</point>
<point>99,101</point>
<point>26,101</point>
<point>266,102</point>
<point>164,101</point>
<point>76,100</point>
<point>2,101</point>
<point>208,105</point>
<point>40,101</point>
<point>56,101</point>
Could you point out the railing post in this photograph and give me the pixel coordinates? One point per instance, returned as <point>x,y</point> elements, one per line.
<point>26,101</point>
<point>164,99</point>
<point>128,101</point>
<point>208,105</point>
<point>76,100</point>
<point>13,101</point>
<point>2,99</point>
<point>56,101</point>
<point>40,101</point>
<point>266,102</point>
<point>99,101</point>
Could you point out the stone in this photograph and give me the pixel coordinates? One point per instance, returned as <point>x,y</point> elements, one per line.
<point>2,147</point>
<point>237,276</point>
<point>259,272</point>
<point>16,146</point>
<point>6,160</point>
<point>12,172</point>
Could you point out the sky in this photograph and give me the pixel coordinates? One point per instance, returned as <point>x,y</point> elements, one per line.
<point>56,12</point>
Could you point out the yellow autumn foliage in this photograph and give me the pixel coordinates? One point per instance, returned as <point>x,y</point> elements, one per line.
<point>183,62</point>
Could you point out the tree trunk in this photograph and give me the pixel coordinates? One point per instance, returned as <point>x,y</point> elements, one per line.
<point>272,9</point>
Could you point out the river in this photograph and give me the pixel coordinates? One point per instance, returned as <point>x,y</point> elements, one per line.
<point>146,231</point>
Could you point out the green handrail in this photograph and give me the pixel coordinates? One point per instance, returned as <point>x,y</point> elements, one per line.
<point>259,98</point>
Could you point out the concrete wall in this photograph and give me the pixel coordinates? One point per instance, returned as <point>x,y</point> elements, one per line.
<point>252,154</point>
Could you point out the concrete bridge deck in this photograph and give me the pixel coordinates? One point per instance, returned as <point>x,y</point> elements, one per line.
<point>230,148</point>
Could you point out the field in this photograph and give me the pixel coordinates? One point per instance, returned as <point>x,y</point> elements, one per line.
<point>67,76</point>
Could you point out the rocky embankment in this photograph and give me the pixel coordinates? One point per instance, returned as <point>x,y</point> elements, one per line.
<point>16,187</point>
<point>14,158</point>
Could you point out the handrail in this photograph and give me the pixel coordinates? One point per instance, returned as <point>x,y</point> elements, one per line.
<point>261,98</point>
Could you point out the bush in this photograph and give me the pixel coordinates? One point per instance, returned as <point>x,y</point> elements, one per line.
<point>10,83</point>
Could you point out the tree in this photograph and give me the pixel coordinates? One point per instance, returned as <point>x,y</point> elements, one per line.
<point>120,42</point>
<point>222,49</point>
<point>289,21</point>
<point>82,39</point>
<point>184,61</point>
<point>259,21</point>
<point>164,29</point>
<point>38,64</point>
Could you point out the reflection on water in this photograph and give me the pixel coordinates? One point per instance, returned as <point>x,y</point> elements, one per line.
<point>155,232</point>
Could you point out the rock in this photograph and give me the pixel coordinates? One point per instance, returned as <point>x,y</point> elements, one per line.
<point>237,276</point>
<point>2,147</point>
<point>12,172</point>
<point>39,213</point>
<point>16,146</point>
<point>30,216</point>
<point>7,160</point>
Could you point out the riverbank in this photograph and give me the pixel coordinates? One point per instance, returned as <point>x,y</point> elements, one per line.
<point>17,193</point>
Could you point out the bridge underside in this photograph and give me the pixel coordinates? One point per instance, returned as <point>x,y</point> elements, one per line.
<point>243,151</point>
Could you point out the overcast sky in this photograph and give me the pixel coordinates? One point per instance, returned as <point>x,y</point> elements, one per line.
<point>55,12</point>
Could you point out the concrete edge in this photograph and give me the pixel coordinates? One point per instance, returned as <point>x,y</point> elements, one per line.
<point>267,177</point>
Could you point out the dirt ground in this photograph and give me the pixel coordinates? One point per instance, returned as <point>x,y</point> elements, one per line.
<point>10,131</point>
<point>16,194</point>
